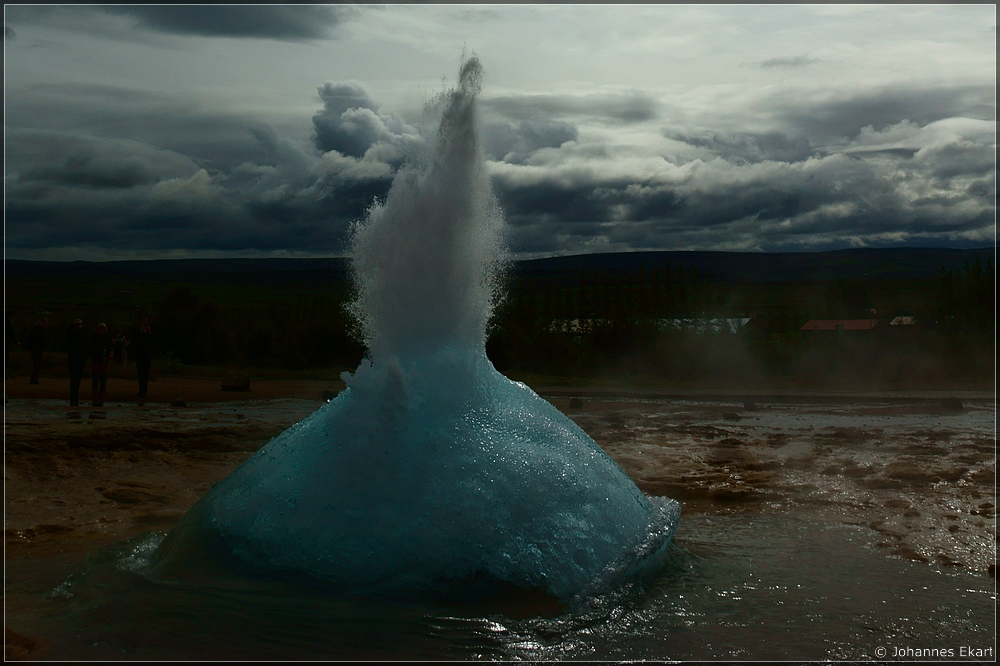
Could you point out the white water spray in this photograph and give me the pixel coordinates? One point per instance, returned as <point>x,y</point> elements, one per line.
<point>426,261</point>
<point>431,468</point>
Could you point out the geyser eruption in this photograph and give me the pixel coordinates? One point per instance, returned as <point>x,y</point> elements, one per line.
<point>431,468</point>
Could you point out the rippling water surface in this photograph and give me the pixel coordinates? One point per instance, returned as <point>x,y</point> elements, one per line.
<point>809,533</point>
<point>737,587</point>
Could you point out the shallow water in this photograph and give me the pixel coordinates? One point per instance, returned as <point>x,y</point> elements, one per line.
<point>809,532</point>
<point>736,587</point>
<point>921,477</point>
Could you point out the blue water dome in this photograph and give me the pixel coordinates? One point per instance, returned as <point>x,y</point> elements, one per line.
<point>431,468</point>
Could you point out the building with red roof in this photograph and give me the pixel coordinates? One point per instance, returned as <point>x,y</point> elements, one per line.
<point>839,326</point>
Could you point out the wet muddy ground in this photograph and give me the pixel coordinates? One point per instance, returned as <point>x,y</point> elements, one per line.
<point>920,476</point>
<point>917,479</point>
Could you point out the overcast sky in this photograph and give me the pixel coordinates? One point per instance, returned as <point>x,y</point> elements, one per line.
<point>159,131</point>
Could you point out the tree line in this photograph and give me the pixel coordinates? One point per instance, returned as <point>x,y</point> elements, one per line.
<point>618,295</point>
<point>578,324</point>
<point>967,300</point>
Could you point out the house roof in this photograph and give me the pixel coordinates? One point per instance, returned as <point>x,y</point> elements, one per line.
<point>903,321</point>
<point>833,324</point>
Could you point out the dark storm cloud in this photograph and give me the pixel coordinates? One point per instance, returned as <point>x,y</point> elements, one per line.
<point>348,122</point>
<point>351,124</point>
<point>515,142</point>
<point>139,171</point>
<point>728,201</point>
<point>629,107</point>
<point>746,146</point>
<point>797,61</point>
<point>112,168</point>
<point>959,158</point>
<point>80,161</point>
<point>286,22</point>
<point>832,119</point>
<point>984,189</point>
<point>8,33</point>
<point>215,140</point>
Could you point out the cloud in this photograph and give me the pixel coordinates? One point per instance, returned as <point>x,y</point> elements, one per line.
<point>216,140</point>
<point>181,177</point>
<point>478,15</point>
<point>797,61</point>
<point>733,196</point>
<point>516,142</point>
<point>81,161</point>
<point>627,107</point>
<point>948,148</point>
<point>107,167</point>
<point>834,117</point>
<point>278,22</point>
<point>745,146</point>
<point>350,124</point>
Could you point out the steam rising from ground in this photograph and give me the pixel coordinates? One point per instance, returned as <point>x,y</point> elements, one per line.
<point>431,469</point>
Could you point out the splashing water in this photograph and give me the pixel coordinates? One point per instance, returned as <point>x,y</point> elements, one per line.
<point>431,469</point>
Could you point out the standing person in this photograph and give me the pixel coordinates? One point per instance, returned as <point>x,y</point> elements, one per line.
<point>11,341</point>
<point>143,349</point>
<point>100,351</point>
<point>118,346</point>
<point>36,344</point>
<point>76,358</point>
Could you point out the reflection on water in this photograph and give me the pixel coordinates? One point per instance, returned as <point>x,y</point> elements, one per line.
<point>736,587</point>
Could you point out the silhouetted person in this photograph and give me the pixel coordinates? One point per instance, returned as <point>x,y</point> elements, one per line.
<point>36,344</point>
<point>11,341</point>
<point>119,346</point>
<point>100,352</point>
<point>142,348</point>
<point>76,358</point>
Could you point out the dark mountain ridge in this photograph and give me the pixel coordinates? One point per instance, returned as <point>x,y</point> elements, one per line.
<point>863,263</point>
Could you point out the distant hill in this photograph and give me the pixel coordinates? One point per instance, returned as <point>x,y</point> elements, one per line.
<point>895,263</point>
<point>873,264</point>
<point>213,269</point>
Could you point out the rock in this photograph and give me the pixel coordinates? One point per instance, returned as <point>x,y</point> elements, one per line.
<point>952,403</point>
<point>749,405</point>
<point>97,415</point>
<point>178,402</point>
<point>329,395</point>
<point>908,553</point>
<point>575,403</point>
<point>731,416</point>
